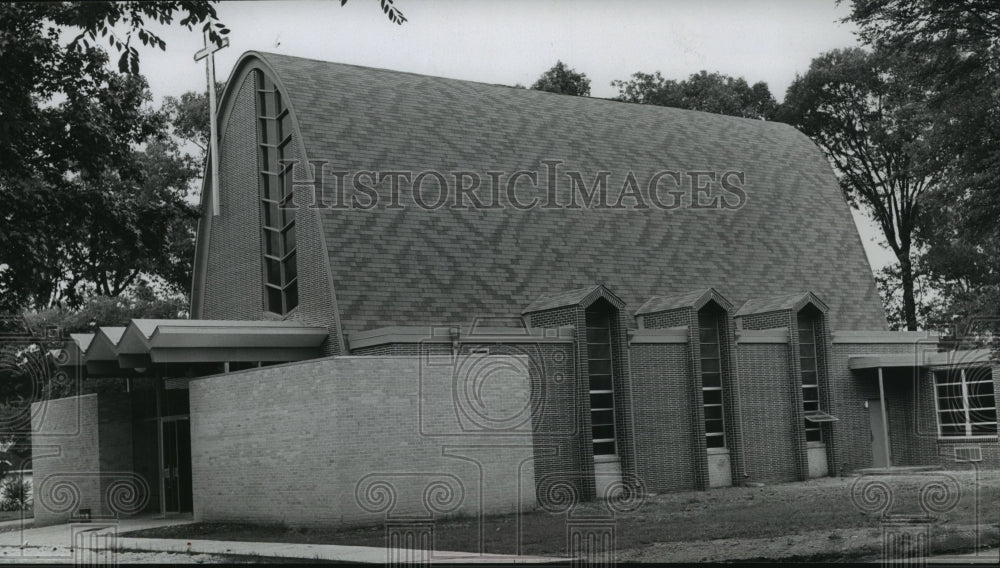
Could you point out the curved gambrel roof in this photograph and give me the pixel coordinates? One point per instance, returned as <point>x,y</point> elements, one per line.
<point>410,266</point>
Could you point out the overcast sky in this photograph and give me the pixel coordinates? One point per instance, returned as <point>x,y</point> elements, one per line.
<point>514,41</point>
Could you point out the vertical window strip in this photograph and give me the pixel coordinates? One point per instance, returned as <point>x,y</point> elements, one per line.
<point>710,347</point>
<point>601,370</point>
<point>277,213</point>
<point>809,371</point>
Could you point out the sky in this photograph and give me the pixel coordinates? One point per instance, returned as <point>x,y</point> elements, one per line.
<point>514,41</point>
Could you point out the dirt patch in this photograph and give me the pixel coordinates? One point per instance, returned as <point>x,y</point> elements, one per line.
<point>813,519</point>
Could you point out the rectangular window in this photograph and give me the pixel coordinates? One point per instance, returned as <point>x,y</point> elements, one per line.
<point>711,378</point>
<point>966,402</point>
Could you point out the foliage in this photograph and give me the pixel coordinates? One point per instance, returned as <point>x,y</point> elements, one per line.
<point>708,92</point>
<point>564,80</point>
<point>100,311</point>
<point>954,49</point>
<point>16,494</point>
<point>863,112</point>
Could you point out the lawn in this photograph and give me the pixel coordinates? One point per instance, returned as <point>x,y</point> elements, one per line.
<point>818,510</point>
<point>12,515</point>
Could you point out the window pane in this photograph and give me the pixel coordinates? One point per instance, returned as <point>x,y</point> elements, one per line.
<point>712,396</point>
<point>605,432</point>
<point>288,214</point>
<point>598,335</point>
<point>710,351</point>
<point>708,334</point>
<point>291,268</point>
<point>604,449</point>
<point>809,377</point>
<point>807,350</point>
<point>272,186</point>
<point>273,268</point>
<point>599,351</point>
<point>273,300</point>
<point>599,366</point>
<point>983,415</point>
<point>600,382</point>
<point>711,380</point>
<point>291,296</point>
<point>290,238</point>
<point>984,429</point>
<point>272,242</point>
<point>715,441</point>
<point>272,216</point>
<point>601,400</point>
<point>808,364</point>
<point>947,417</point>
<point>714,426</point>
<point>713,413</point>
<point>950,430</point>
<point>978,374</point>
<point>602,417</point>
<point>810,394</point>
<point>814,435</point>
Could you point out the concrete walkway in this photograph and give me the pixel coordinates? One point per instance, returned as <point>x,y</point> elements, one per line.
<point>56,544</point>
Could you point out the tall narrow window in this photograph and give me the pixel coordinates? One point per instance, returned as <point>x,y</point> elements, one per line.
<point>277,210</point>
<point>711,377</point>
<point>810,375</point>
<point>966,402</point>
<point>601,370</point>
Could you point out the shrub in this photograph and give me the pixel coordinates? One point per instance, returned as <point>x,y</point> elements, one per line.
<point>16,493</point>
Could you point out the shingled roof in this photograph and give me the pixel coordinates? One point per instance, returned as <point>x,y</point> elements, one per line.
<point>410,266</point>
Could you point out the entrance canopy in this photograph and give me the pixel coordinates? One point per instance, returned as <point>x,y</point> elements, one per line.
<point>919,358</point>
<point>123,351</point>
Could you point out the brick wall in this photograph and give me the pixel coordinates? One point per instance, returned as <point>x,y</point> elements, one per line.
<point>82,448</point>
<point>292,443</point>
<point>769,427</point>
<point>665,421</point>
<point>65,440</point>
<point>234,280</point>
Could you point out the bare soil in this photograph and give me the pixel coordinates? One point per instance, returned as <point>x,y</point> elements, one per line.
<point>814,520</point>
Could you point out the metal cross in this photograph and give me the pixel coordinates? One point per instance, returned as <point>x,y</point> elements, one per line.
<point>213,144</point>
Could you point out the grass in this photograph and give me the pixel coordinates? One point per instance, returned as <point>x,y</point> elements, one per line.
<point>747,513</point>
<point>13,515</point>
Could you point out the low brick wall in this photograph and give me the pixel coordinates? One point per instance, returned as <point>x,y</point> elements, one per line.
<point>363,440</point>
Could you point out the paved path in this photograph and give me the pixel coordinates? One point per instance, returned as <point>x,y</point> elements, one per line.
<point>55,544</point>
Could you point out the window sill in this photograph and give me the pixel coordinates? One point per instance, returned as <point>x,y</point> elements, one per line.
<point>605,459</point>
<point>815,444</point>
<point>967,439</point>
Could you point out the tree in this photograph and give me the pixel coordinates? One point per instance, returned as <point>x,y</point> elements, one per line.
<point>861,110</point>
<point>83,152</point>
<point>561,79</point>
<point>708,92</point>
<point>954,47</point>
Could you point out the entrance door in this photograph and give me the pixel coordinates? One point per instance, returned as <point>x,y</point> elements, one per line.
<point>880,454</point>
<point>175,474</point>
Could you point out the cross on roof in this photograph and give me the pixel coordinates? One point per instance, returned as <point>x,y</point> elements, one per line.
<point>208,53</point>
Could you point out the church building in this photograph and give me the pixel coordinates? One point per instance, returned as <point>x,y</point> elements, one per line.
<point>416,296</point>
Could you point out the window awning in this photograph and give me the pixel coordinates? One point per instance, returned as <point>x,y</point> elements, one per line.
<point>818,417</point>
<point>145,342</point>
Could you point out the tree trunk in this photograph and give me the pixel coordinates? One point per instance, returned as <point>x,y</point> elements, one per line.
<point>909,303</point>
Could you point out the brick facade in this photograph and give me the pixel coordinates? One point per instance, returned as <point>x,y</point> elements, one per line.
<point>392,421</point>
<point>82,456</point>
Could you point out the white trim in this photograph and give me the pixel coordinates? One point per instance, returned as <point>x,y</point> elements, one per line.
<point>663,335</point>
<point>442,334</point>
<point>898,337</point>
<point>774,335</point>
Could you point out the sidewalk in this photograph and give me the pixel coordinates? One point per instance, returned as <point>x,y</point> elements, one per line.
<point>55,544</point>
